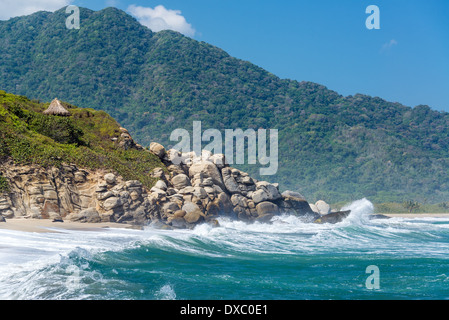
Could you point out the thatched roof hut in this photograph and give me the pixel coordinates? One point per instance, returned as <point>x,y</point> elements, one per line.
<point>56,109</point>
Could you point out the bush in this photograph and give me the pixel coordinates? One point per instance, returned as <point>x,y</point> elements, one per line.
<point>4,184</point>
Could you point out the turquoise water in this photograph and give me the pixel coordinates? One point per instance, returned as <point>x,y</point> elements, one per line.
<point>284,260</point>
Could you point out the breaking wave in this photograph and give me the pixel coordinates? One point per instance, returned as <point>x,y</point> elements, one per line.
<point>285,259</point>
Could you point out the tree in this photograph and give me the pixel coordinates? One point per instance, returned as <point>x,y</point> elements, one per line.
<point>411,205</point>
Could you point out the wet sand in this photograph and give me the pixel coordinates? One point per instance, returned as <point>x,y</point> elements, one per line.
<point>417,215</point>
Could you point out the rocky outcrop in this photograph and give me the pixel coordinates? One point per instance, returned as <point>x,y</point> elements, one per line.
<point>190,190</point>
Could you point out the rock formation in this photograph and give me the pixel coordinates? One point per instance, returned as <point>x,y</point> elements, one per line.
<point>195,190</point>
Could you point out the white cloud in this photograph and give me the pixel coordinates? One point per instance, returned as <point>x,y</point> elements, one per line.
<point>14,8</point>
<point>386,46</point>
<point>160,18</point>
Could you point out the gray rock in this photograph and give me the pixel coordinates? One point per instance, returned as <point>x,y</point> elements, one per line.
<point>265,192</point>
<point>110,178</point>
<point>266,207</point>
<point>187,190</point>
<point>161,185</point>
<point>323,207</point>
<point>157,149</point>
<point>134,195</point>
<point>88,215</point>
<point>239,200</point>
<point>193,212</point>
<point>80,177</point>
<point>180,181</point>
<point>219,160</point>
<point>177,222</point>
<point>314,208</point>
<point>133,184</point>
<point>8,213</point>
<point>112,203</point>
<point>170,208</point>
<point>199,192</point>
<point>209,170</point>
<point>291,195</point>
<point>334,217</point>
<point>266,218</point>
<point>105,195</point>
<point>229,181</point>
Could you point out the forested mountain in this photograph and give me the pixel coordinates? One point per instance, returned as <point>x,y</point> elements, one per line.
<point>331,147</point>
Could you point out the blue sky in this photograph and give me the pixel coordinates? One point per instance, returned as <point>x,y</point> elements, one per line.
<point>324,41</point>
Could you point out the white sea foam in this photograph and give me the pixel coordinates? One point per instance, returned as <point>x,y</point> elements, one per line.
<point>58,265</point>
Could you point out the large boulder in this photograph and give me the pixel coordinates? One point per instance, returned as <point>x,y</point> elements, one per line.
<point>112,203</point>
<point>110,178</point>
<point>265,192</point>
<point>292,195</point>
<point>323,207</point>
<point>267,207</point>
<point>334,217</point>
<point>89,215</point>
<point>157,149</point>
<point>237,181</point>
<point>193,212</point>
<point>208,170</point>
<point>180,181</point>
<point>220,205</point>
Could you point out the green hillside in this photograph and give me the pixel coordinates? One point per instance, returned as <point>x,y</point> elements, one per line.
<point>85,139</point>
<point>331,147</point>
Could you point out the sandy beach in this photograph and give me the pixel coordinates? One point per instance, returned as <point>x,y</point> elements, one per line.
<point>47,225</point>
<point>417,215</point>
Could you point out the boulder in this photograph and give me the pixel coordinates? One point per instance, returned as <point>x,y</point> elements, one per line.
<point>102,196</point>
<point>157,149</point>
<point>291,195</point>
<point>170,207</point>
<point>8,213</point>
<point>229,181</point>
<point>323,207</point>
<point>180,181</point>
<point>88,215</point>
<point>267,207</point>
<point>179,214</point>
<point>177,222</point>
<point>133,184</point>
<point>80,177</point>
<point>112,203</point>
<point>193,212</point>
<point>333,217</point>
<point>200,192</point>
<point>264,218</point>
<point>265,192</point>
<point>134,195</point>
<point>209,170</point>
<point>314,208</point>
<point>220,205</point>
<point>219,160</point>
<point>161,185</point>
<point>110,178</point>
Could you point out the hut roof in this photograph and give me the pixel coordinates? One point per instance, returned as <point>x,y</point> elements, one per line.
<point>57,109</point>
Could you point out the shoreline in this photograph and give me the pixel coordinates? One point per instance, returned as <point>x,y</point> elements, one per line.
<point>416,215</point>
<point>48,226</point>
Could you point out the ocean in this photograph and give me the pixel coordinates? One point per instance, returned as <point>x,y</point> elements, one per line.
<point>287,259</point>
